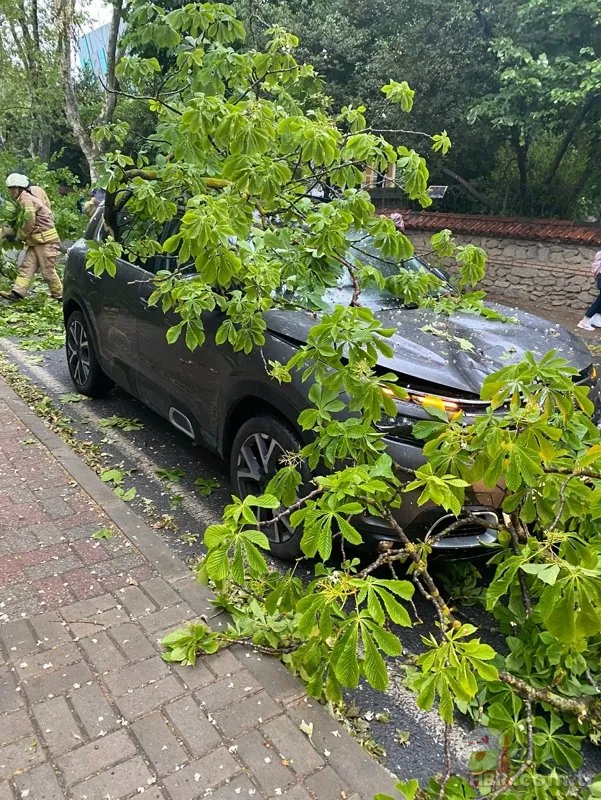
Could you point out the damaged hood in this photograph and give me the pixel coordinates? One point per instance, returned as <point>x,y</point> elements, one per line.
<point>456,352</point>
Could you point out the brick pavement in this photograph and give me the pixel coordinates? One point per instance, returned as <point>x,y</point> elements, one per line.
<point>87,707</point>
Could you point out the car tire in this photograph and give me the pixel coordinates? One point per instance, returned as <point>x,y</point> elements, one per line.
<point>253,462</point>
<point>82,360</point>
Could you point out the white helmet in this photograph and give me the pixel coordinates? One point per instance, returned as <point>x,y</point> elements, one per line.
<point>17,181</point>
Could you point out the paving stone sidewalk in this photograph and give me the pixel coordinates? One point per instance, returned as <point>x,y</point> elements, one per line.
<point>87,707</point>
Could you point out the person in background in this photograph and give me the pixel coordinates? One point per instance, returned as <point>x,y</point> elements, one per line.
<point>40,237</point>
<point>398,221</point>
<point>592,318</point>
<point>95,200</point>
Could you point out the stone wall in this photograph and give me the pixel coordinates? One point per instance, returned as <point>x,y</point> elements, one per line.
<point>548,273</point>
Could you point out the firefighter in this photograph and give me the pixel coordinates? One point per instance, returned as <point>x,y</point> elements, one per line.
<point>39,236</point>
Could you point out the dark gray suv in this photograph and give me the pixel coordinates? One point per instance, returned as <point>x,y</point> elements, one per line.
<point>227,402</point>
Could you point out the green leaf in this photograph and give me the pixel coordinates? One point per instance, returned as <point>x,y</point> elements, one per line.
<point>344,656</point>
<point>374,667</point>
<point>400,94</point>
<point>104,533</point>
<point>217,564</point>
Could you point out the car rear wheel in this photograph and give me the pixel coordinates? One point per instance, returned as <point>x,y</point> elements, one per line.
<point>255,458</point>
<point>84,368</point>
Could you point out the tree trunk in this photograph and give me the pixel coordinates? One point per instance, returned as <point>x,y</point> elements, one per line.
<point>110,100</point>
<point>576,121</point>
<point>91,150</point>
<point>521,152</point>
<point>83,138</point>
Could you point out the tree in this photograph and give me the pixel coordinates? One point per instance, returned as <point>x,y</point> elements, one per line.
<point>29,68</point>
<point>523,76</point>
<point>432,44</point>
<point>243,136</point>
<point>549,83</point>
<point>92,149</point>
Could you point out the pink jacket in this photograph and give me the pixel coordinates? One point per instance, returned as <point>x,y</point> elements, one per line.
<point>596,265</point>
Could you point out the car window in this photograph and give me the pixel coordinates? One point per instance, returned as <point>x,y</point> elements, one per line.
<point>364,250</point>
<point>129,228</point>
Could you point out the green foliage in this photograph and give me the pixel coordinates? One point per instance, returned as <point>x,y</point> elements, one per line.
<point>171,475</point>
<point>116,478</point>
<point>183,645</point>
<point>243,138</point>
<point>126,424</point>
<point>37,320</point>
<point>206,486</point>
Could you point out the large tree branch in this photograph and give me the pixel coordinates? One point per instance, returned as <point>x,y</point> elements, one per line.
<point>584,708</point>
<point>468,187</point>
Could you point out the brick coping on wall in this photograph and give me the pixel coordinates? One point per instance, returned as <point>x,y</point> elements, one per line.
<point>559,230</point>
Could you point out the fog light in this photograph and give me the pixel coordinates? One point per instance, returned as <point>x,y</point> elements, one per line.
<point>385,545</point>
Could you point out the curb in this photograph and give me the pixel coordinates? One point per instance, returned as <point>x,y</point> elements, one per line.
<point>348,759</point>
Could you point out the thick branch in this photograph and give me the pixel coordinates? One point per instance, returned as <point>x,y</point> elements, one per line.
<point>584,708</point>
<point>468,187</point>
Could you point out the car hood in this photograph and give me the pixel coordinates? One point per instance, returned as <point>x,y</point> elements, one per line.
<point>456,352</point>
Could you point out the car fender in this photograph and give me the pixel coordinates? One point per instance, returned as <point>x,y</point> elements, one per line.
<point>256,397</point>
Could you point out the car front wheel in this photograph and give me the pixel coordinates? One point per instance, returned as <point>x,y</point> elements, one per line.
<point>84,368</point>
<point>255,458</point>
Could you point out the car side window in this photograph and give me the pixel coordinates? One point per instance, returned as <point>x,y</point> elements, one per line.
<point>129,228</point>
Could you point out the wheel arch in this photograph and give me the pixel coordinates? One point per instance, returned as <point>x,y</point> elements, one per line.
<point>252,405</point>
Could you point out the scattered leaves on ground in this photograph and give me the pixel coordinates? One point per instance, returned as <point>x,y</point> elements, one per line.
<point>206,486</point>
<point>103,533</point>
<point>126,424</point>
<point>170,475</point>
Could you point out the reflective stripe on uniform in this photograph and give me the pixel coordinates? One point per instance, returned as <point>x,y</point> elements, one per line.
<point>44,237</point>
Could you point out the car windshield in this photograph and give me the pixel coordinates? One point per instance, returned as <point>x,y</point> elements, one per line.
<point>364,250</point>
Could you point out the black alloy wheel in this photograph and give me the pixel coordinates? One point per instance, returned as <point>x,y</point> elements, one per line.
<point>255,458</point>
<point>85,371</point>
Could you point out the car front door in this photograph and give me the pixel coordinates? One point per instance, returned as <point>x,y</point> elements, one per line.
<point>115,309</point>
<point>180,384</point>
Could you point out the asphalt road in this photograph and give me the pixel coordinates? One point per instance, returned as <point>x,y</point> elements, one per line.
<point>180,514</point>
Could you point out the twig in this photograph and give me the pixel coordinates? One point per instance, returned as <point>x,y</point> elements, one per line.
<point>527,763</point>
<point>387,557</point>
<point>421,568</point>
<point>356,286</point>
<point>394,130</point>
<point>262,648</point>
<point>292,508</point>
<point>448,767</point>
<point>562,502</point>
